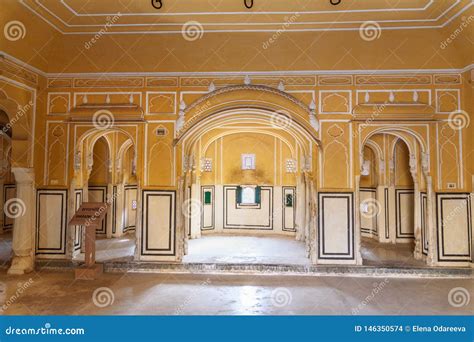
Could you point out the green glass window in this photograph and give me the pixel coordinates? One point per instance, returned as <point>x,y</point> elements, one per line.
<point>207,197</point>
<point>289,200</point>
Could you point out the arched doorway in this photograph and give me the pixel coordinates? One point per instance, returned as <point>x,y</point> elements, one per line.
<point>395,219</point>
<point>106,172</point>
<point>247,190</point>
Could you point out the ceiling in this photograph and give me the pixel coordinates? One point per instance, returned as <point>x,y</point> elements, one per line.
<point>139,16</point>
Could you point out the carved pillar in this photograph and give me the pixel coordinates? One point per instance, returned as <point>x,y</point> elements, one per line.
<point>431,259</point>
<point>195,206</point>
<point>180,226</point>
<point>357,233</point>
<point>300,207</point>
<point>120,209</point>
<point>24,228</point>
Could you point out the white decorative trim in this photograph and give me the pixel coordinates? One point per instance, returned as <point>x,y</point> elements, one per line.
<point>147,110</point>
<point>457,91</point>
<point>49,102</point>
<point>335,92</point>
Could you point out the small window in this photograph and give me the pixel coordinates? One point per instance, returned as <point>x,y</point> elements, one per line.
<point>207,197</point>
<point>248,195</point>
<point>248,161</point>
<point>289,200</point>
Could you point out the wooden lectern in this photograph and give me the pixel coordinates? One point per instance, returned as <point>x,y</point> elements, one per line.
<point>90,216</point>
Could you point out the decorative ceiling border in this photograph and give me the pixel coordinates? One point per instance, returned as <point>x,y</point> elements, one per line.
<point>240,73</point>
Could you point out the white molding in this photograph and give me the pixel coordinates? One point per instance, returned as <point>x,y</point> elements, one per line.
<point>147,108</point>
<point>320,101</point>
<point>394,91</point>
<point>76,94</point>
<point>68,103</point>
<point>458,91</point>
<point>239,73</point>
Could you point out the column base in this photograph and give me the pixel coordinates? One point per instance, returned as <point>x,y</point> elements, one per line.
<point>21,265</point>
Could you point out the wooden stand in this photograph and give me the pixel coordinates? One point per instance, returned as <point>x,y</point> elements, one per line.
<point>89,215</point>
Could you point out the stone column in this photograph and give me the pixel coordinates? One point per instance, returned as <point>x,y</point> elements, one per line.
<point>357,232</point>
<point>24,227</point>
<point>431,259</point>
<point>120,208</point>
<point>417,228</point>
<point>195,205</point>
<point>300,211</point>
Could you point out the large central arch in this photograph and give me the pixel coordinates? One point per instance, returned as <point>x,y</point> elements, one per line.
<point>248,109</point>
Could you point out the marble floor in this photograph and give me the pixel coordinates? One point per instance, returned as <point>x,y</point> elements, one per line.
<point>57,293</point>
<point>246,249</point>
<point>240,249</point>
<point>115,249</point>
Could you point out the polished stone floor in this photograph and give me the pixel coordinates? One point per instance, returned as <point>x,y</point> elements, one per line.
<point>246,249</point>
<point>115,249</point>
<point>241,249</point>
<point>57,293</point>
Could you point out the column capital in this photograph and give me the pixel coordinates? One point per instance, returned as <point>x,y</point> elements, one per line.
<point>24,174</point>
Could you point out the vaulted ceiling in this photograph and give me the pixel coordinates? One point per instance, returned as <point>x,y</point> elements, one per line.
<point>139,16</point>
<point>98,36</point>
